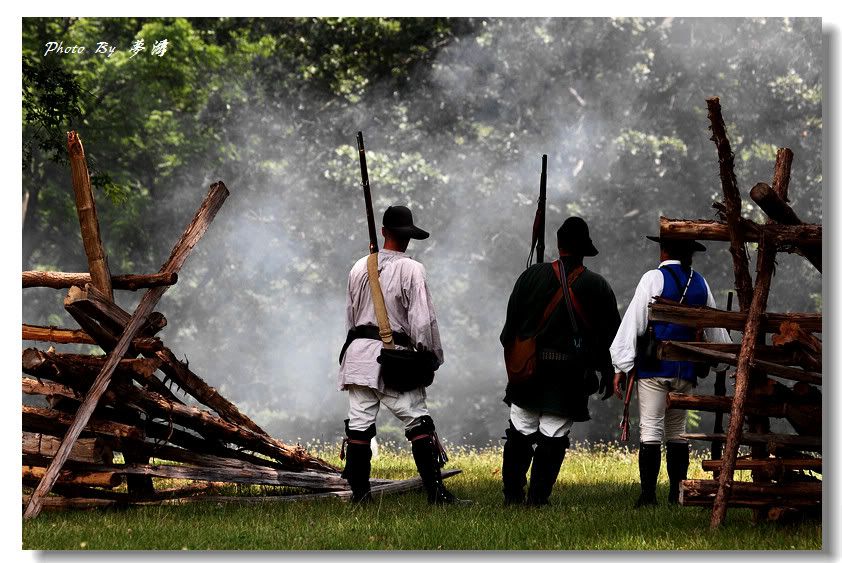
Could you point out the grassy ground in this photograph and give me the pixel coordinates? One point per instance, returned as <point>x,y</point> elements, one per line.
<point>591,510</point>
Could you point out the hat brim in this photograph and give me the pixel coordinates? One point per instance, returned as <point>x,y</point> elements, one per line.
<point>693,245</point>
<point>409,232</point>
<point>589,249</point>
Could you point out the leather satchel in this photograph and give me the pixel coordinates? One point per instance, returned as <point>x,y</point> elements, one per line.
<point>521,354</point>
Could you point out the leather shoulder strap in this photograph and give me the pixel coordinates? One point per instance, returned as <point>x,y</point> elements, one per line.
<point>379,302</point>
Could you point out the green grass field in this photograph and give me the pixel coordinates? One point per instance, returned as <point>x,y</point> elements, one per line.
<point>591,510</point>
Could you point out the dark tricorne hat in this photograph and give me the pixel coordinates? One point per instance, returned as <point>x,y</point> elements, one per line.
<point>574,237</point>
<point>398,219</point>
<point>680,244</point>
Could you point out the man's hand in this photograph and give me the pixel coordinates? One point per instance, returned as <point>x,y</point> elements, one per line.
<point>620,385</point>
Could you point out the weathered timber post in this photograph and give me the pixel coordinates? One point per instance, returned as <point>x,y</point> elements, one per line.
<point>765,268</point>
<point>86,209</point>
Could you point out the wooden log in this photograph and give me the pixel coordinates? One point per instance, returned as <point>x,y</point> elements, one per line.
<point>811,489</point>
<point>80,304</point>
<point>243,474</point>
<point>714,403</point>
<point>213,201</point>
<point>773,465</point>
<point>107,313</point>
<point>377,489</point>
<point>780,212</point>
<point>392,487</point>
<point>92,450</point>
<point>706,317</point>
<point>73,336</point>
<point>65,280</point>
<point>775,354</point>
<point>751,336</point>
<point>804,235</point>
<point>698,492</point>
<point>771,203</point>
<point>806,419</point>
<point>49,364</point>
<point>774,441</point>
<point>780,181</point>
<point>86,209</point>
<point>196,419</point>
<point>47,421</point>
<point>733,203</point>
<point>67,477</point>
<point>791,333</point>
<point>685,351</point>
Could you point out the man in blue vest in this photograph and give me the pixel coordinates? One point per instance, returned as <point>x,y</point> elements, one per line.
<point>674,279</point>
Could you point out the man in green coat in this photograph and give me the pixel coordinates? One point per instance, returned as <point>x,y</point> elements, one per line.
<point>571,346</point>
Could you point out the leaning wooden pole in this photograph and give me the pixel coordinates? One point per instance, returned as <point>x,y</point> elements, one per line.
<point>733,202</point>
<point>207,211</point>
<point>86,209</point>
<point>765,267</point>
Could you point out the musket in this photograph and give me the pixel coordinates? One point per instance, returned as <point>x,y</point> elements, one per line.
<point>719,389</point>
<point>369,212</point>
<point>538,226</point>
<point>624,425</point>
<point>373,249</point>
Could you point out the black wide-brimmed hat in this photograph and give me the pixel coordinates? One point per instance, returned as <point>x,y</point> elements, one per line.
<point>574,237</point>
<point>682,244</point>
<point>398,219</point>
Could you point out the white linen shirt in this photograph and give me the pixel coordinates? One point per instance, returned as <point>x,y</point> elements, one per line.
<point>624,347</point>
<point>403,282</point>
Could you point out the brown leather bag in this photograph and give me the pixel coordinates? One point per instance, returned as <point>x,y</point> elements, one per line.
<point>521,355</point>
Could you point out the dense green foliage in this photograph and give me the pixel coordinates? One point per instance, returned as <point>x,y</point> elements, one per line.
<point>591,510</point>
<point>457,113</point>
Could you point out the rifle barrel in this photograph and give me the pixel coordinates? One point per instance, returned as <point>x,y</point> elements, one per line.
<point>542,208</point>
<point>369,211</point>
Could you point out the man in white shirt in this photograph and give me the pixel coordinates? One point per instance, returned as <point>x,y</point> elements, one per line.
<point>674,279</point>
<point>413,322</point>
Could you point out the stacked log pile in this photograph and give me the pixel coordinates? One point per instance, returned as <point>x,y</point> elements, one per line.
<point>777,379</point>
<point>122,402</point>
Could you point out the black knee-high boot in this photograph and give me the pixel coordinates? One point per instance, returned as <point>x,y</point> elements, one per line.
<point>649,464</point>
<point>429,459</point>
<point>357,454</point>
<point>678,461</point>
<point>517,455</point>
<point>546,463</point>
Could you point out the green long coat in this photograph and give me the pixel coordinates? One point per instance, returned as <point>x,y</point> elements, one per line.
<point>564,391</point>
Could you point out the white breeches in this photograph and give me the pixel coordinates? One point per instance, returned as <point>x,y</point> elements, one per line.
<point>657,422</point>
<point>365,403</point>
<point>528,421</point>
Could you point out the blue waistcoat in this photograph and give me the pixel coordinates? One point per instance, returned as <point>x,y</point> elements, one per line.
<point>697,294</point>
